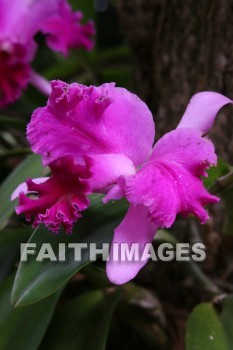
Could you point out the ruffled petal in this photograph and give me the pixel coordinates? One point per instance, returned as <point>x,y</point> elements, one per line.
<point>10,14</point>
<point>135,228</point>
<point>14,71</point>
<point>22,19</point>
<point>170,184</point>
<point>60,199</point>
<point>167,190</point>
<point>80,120</point>
<point>65,31</point>
<point>24,188</point>
<point>186,147</point>
<point>202,110</point>
<point>154,188</point>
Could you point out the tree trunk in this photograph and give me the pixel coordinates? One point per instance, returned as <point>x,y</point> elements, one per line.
<point>182,47</point>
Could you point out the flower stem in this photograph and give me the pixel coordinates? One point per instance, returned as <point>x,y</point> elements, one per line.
<point>15,153</point>
<point>204,280</point>
<point>222,183</point>
<point>39,82</point>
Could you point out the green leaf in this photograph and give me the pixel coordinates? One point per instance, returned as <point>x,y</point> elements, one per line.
<point>23,329</point>
<point>112,55</point>
<point>36,280</point>
<point>82,323</point>
<point>10,240</point>
<point>63,68</point>
<point>205,330</point>
<point>140,321</point>
<point>17,152</point>
<point>30,167</point>
<point>121,75</point>
<point>227,319</point>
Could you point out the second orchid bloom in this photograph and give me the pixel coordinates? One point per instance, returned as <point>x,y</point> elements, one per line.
<point>100,139</point>
<point>20,21</point>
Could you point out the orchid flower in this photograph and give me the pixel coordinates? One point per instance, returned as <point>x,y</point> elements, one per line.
<point>20,21</point>
<point>100,139</point>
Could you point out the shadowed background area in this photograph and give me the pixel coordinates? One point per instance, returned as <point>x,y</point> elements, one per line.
<point>181,47</point>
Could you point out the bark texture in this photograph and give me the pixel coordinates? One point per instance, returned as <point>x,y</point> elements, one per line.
<point>182,47</point>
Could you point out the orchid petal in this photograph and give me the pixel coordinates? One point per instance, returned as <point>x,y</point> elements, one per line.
<point>115,193</point>
<point>24,188</point>
<point>170,184</point>
<point>61,199</point>
<point>80,120</point>
<point>20,21</point>
<point>202,110</point>
<point>186,147</point>
<point>10,13</point>
<point>14,70</point>
<point>135,228</point>
<point>106,169</point>
<point>64,30</point>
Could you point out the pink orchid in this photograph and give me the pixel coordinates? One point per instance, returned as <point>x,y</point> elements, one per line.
<point>102,138</point>
<point>61,197</point>
<point>20,21</point>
